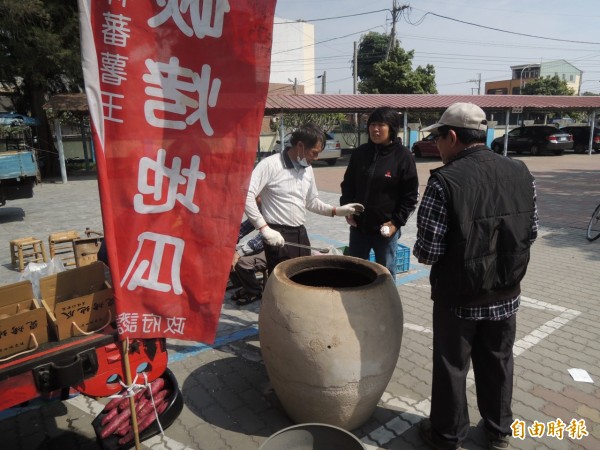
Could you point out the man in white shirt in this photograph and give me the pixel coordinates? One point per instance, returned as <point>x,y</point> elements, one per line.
<point>286,185</point>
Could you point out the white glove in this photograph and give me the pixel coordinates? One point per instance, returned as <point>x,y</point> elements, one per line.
<point>385,231</point>
<point>272,237</point>
<point>349,209</point>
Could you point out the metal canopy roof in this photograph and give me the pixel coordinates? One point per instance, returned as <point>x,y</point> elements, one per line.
<point>364,103</point>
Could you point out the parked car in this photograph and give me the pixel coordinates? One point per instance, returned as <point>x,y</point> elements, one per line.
<point>13,119</point>
<point>535,139</point>
<point>426,147</point>
<point>581,138</point>
<point>330,154</point>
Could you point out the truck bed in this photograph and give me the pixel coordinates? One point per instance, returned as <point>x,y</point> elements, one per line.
<point>17,164</point>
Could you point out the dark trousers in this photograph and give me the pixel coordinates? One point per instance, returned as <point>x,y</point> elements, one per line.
<point>275,255</point>
<point>244,272</point>
<point>489,344</point>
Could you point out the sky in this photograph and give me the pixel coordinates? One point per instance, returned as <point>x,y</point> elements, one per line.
<point>461,53</point>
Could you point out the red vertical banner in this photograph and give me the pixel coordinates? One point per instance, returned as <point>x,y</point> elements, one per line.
<point>176,90</point>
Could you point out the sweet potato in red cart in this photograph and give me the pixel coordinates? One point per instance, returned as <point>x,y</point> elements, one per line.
<point>160,398</point>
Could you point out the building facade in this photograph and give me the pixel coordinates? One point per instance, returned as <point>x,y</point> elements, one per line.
<point>525,73</point>
<point>293,55</point>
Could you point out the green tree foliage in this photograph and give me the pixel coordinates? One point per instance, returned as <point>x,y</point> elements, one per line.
<point>39,54</point>
<point>553,86</point>
<point>371,50</point>
<point>547,86</point>
<point>326,121</point>
<point>394,75</point>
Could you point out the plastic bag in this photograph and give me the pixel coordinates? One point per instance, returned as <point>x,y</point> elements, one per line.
<point>334,251</point>
<point>34,271</point>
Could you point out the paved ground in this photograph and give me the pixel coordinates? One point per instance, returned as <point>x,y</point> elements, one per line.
<point>228,400</point>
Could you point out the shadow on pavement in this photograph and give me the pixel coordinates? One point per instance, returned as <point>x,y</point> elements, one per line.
<point>234,394</point>
<point>11,214</point>
<point>68,440</point>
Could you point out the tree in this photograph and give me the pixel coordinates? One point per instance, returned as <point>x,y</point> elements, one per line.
<point>547,86</point>
<point>326,121</point>
<point>371,50</point>
<point>552,86</point>
<point>39,54</point>
<point>394,75</point>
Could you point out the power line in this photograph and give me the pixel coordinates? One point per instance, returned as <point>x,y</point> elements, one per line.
<point>335,17</point>
<point>498,29</point>
<point>469,62</point>
<point>327,40</point>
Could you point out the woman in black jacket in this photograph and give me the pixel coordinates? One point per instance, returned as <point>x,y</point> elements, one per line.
<point>382,176</point>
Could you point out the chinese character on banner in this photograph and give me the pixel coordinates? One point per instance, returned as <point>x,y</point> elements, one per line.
<point>176,91</point>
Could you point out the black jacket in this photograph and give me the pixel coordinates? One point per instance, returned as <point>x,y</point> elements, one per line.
<point>383,179</point>
<point>491,211</point>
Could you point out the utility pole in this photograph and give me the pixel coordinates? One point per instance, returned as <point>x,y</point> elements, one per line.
<point>355,67</point>
<point>323,82</point>
<point>354,81</point>
<point>396,10</point>
<point>295,81</point>
<point>478,81</point>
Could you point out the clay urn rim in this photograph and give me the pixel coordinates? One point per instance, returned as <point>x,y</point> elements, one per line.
<point>290,268</point>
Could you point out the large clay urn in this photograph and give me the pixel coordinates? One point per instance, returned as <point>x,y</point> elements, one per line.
<point>330,333</point>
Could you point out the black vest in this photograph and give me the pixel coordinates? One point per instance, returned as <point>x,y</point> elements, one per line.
<point>490,207</point>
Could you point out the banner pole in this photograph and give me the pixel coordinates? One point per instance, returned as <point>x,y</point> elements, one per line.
<point>128,381</point>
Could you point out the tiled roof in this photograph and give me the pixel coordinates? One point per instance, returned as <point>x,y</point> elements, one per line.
<point>368,102</point>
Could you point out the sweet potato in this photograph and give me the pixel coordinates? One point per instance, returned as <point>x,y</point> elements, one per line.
<point>124,429</point>
<point>124,403</point>
<point>161,408</point>
<point>158,398</point>
<point>112,404</point>
<point>109,416</point>
<point>145,422</point>
<point>142,425</point>
<point>115,423</point>
<point>139,405</point>
<point>156,386</point>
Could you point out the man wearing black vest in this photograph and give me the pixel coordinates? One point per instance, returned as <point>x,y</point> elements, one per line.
<point>476,223</point>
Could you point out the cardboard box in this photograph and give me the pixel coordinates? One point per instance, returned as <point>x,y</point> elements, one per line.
<point>78,301</point>
<point>22,321</point>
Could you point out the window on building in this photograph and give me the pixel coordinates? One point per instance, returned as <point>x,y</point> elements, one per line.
<point>571,77</point>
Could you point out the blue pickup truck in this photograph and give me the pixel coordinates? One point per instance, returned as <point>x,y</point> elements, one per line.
<point>18,174</point>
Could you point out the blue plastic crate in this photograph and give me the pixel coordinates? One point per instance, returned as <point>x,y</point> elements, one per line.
<point>402,258</point>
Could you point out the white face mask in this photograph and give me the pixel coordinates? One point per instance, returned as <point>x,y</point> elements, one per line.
<point>303,162</point>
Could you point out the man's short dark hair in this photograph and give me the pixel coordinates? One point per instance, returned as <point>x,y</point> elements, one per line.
<point>465,135</point>
<point>388,116</point>
<point>309,134</point>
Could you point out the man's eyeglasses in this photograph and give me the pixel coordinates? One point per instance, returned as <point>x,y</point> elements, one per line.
<point>436,137</point>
